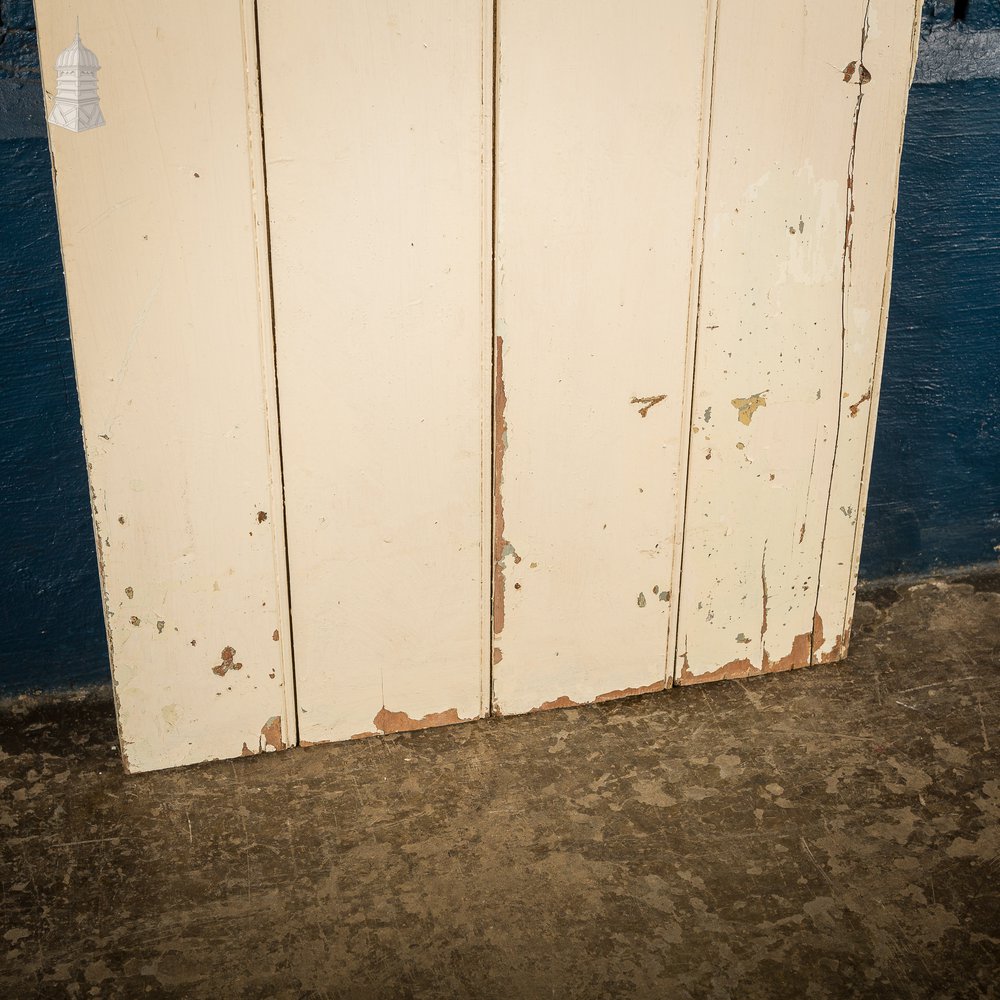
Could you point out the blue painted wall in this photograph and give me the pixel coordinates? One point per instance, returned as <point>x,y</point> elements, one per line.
<point>935,491</point>
<point>934,499</point>
<point>51,630</point>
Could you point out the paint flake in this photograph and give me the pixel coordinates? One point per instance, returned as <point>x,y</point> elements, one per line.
<point>748,406</point>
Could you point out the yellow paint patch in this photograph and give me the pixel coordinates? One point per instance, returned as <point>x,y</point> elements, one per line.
<point>748,406</point>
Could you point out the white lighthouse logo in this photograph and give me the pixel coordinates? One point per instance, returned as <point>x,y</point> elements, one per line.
<point>77,106</point>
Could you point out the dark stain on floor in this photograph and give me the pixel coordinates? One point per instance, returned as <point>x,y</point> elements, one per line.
<point>832,832</point>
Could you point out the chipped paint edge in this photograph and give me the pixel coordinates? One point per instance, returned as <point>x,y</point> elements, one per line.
<point>802,654</point>
<point>842,646</point>
<point>87,448</point>
<point>499,541</point>
<point>388,722</point>
<point>488,121</point>
<point>700,216</point>
<point>619,694</point>
<point>268,360</point>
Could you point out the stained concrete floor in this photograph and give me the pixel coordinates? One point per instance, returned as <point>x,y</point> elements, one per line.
<point>829,833</point>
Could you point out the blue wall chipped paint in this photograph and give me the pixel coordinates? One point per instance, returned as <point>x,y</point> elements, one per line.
<point>935,491</point>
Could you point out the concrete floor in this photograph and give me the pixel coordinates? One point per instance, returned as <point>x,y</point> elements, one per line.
<point>829,833</point>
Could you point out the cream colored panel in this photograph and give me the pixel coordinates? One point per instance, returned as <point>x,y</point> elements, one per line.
<point>378,137</point>
<point>783,327</point>
<point>160,218</point>
<point>889,53</point>
<point>597,158</point>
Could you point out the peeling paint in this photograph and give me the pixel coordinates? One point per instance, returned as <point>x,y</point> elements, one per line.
<point>274,635</point>
<point>646,403</point>
<point>261,516</point>
<point>763,588</point>
<point>835,655</point>
<point>631,692</point>
<point>135,621</point>
<point>387,722</point>
<point>641,601</point>
<point>561,702</point>
<point>270,734</point>
<point>228,655</point>
<point>160,626</point>
<point>839,650</point>
<point>499,452</point>
<point>129,593</point>
<point>748,406</point>
<point>849,70</point>
<point>800,655</point>
<point>735,668</point>
<point>847,264</point>
<point>864,399</point>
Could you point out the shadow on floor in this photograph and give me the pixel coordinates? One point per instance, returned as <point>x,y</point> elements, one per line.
<point>829,833</point>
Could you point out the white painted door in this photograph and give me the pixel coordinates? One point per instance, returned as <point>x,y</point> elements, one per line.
<point>629,419</point>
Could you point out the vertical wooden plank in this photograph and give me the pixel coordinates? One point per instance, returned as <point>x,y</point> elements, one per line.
<point>160,216</point>
<point>378,138</point>
<point>598,130</point>
<point>775,321</point>
<point>887,47</point>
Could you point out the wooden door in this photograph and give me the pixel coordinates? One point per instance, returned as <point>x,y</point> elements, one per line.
<point>574,347</point>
